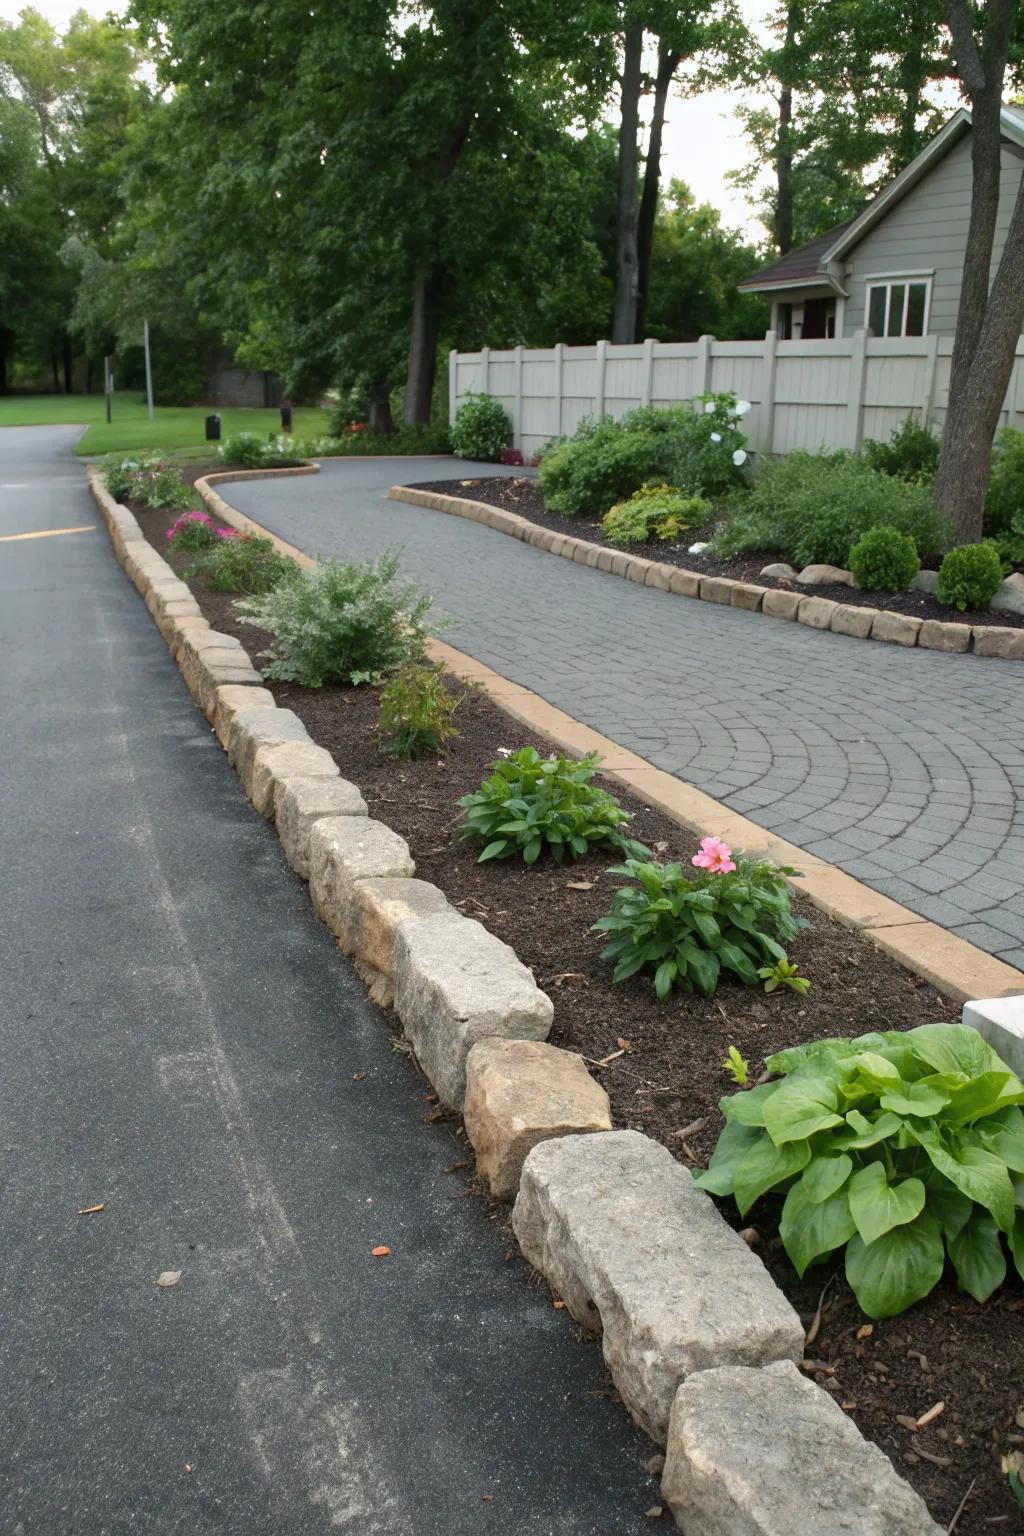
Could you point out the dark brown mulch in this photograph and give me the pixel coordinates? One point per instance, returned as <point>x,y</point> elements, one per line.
<point>662,1070</point>
<point>523,495</point>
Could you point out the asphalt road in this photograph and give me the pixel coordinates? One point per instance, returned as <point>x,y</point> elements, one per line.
<point>179,1042</point>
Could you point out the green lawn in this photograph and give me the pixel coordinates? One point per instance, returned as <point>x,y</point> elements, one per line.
<point>175,429</point>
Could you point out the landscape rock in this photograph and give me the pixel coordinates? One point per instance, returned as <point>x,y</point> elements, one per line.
<point>251,729</point>
<point>779,571</point>
<point>896,628</point>
<point>229,698</point>
<point>782,605</point>
<point>848,619</point>
<point>278,762</point>
<point>342,850</point>
<point>816,612</point>
<point>299,802</point>
<point>825,576</point>
<point>698,548</point>
<point>995,641</point>
<point>926,581</point>
<point>520,1093</point>
<point>455,984</point>
<point>937,636</point>
<point>379,907</point>
<point>1009,595</point>
<point>634,1249</point>
<point>769,1453</point>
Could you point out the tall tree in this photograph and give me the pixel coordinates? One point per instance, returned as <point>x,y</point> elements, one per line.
<point>991,313</point>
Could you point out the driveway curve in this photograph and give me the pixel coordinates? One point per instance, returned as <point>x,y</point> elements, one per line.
<point>903,767</point>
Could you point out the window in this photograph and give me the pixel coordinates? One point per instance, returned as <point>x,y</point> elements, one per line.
<point>900,307</point>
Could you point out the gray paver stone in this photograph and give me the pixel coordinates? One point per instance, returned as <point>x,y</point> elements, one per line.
<point>769,1453</point>
<point>634,1249</point>
<point>455,984</point>
<point>280,761</point>
<point>299,802</point>
<point>343,850</point>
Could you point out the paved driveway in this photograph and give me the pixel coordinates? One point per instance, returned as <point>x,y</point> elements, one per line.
<point>905,768</point>
<point>179,1038</point>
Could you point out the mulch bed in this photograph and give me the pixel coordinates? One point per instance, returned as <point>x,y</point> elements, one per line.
<point>522,495</point>
<point>661,1066</point>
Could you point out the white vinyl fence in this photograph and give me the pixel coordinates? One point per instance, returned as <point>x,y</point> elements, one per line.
<point>804,394</point>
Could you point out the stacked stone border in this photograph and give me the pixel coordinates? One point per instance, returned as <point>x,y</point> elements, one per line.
<point>816,612</point>
<point>702,1345</point>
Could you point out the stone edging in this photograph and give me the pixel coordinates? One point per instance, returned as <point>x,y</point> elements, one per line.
<point>690,1318</point>
<point>803,608</point>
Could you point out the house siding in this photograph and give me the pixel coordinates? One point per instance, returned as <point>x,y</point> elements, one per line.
<point>927,230</point>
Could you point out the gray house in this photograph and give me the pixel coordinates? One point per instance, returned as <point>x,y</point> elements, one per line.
<point>896,268</point>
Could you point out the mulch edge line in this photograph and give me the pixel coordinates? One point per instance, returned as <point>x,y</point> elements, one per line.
<point>114,514</point>
<point>997,640</point>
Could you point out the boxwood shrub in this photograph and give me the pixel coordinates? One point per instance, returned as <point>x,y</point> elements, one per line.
<point>969,575</point>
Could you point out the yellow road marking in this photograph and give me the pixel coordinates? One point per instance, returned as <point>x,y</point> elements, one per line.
<point>46,533</point>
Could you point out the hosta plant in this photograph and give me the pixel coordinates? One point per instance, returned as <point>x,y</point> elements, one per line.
<point>688,926</point>
<point>530,803</point>
<point>900,1149</point>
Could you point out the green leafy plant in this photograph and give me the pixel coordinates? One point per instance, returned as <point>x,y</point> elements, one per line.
<point>341,623</point>
<point>247,451</point>
<point>884,560</point>
<point>899,1148</point>
<point>653,512</point>
<point>243,562</point>
<point>912,452</point>
<point>416,710</point>
<point>737,1066</point>
<point>118,475</point>
<point>426,439</point>
<point>530,803</point>
<point>149,480</point>
<point>687,927</point>
<point>481,428</point>
<point>812,508</point>
<point>784,975</point>
<point>970,575</point>
<point>193,530</point>
<point>1004,506</point>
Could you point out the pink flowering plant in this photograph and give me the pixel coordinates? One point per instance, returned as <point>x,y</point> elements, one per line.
<point>689,923</point>
<point>192,530</point>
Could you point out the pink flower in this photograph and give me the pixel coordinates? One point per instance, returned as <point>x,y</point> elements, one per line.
<point>714,856</point>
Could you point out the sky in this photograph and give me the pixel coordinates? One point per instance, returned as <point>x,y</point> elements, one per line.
<point>702,139</point>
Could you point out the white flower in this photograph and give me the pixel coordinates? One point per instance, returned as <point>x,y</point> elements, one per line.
<point>743,407</point>
<point>504,751</point>
<point>716,437</point>
<point>739,457</point>
<point>709,407</point>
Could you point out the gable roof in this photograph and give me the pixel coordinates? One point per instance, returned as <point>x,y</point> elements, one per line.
<point>807,263</point>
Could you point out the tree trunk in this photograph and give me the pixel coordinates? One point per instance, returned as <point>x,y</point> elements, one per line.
<point>69,364</point>
<point>5,348</point>
<point>784,145</point>
<point>423,337</point>
<point>668,63</point>
<point>55,369</point>
<point>380,418</point>
<point>624,317</point>
<point>88,375</point>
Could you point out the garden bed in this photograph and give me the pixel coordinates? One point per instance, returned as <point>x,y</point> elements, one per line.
<point>523,496</point>
<point>661,1065</point>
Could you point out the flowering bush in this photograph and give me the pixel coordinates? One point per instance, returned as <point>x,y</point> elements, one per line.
<point>243,562</point>
<point>688,928</point>
<point>150,480</point>
<point>193,530</point>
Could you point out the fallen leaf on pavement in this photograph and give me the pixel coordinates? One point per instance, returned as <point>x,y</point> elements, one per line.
<point>381,1251</point>
<point>92,1210</point>
<point>168,1277</point>
<point>357,1077</point>
<point>559,1306</point>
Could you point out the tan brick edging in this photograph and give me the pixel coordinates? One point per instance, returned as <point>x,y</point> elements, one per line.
<point>961,971</point>
<point>799,607</point>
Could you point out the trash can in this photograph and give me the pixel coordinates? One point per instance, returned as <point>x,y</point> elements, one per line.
<point>213,429</point>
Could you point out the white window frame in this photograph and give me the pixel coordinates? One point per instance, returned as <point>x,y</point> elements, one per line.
<point>889,281</point>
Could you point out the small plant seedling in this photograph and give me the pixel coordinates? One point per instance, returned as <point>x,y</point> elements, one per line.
<point>737,1066</point>
<point>783,974</point>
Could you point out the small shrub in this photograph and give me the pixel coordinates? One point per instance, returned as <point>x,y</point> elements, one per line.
<point>900,1148</point>
<point>481,428</point>
<point>653,512</point>
<point>341,623</point>
<point>688,927</point>
<point>812,508</point>
<point>118,475</point>
<point>884,560</point>
<point>531,803</point>
<point>969,576</point>
<point>245,450</point>
<point>423,440</point>
<point>193,530</point>
<point>912,453</point>
<point>416,710</point>
<point>244,562</point>
<point>150,480</point>
<point>1004,507</point>
<point>351,411</point>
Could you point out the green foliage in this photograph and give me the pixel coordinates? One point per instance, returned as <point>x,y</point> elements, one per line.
<point>244,562</point>
<point>481,429</point>
<point>813,508</point>
<point>884,560</point>
<point>912,453</point>
<point>783,975</point>
<point>687,926</point>
<point>118,475</point>
<point>530,803</point>
<point>149,480</point>
<point>423,440</point>
<point>969,575</point>
<point>341,623</point>
<point>699,450</point>
<point>1004,508</point>
<point>416,710</point>
<point>192,530</point>
<point>903,1149</point>
<point>247,451</point>
<point>653,512</point>
<point>737,1066</point>
<point>696,264</point>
